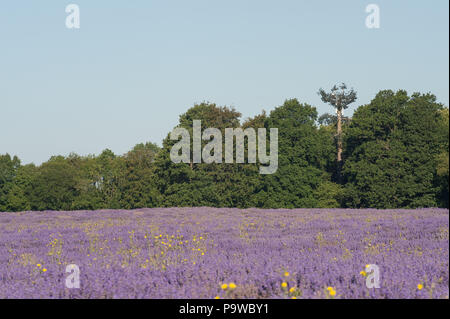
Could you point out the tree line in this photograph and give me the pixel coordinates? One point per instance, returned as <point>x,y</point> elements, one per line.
<point>392,153</point>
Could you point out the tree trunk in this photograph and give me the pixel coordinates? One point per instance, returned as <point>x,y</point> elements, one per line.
<point>339,142</point>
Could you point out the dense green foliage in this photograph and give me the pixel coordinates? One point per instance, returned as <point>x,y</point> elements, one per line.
<point>395,155</point>
<point>392,152</point>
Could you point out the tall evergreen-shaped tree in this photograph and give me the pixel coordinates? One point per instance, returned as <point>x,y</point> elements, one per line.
<point>340,98</point>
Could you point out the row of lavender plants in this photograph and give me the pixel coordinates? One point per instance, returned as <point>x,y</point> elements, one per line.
<point>225,253</point>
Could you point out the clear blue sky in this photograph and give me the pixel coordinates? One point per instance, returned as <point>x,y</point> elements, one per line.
<point>134,66</point>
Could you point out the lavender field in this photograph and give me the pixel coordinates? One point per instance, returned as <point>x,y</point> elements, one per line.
<point>225,253</point>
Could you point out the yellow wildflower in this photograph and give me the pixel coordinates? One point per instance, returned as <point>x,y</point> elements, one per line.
<point>331,291</point>
<point>44,269</point>
<point>284,284</point>
<point>292,290</point>
<point>286,274</point>
<point>224,286</point>
<point>420,286</point>
<point>216,297</point>
<point>232,285</point>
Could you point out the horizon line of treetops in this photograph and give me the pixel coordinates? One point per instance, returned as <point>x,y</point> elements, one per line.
<point>392,153</point>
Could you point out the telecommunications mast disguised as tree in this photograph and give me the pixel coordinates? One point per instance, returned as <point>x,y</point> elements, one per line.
<point>340,99</point>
